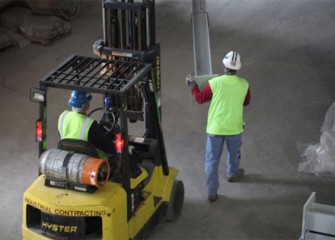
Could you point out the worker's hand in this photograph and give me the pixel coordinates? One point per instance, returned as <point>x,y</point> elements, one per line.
<point>189,81</point>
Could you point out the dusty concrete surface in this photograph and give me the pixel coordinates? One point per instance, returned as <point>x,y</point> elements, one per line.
<point>288,55</point>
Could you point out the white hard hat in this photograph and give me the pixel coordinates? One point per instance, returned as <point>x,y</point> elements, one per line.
<point>232,60</point>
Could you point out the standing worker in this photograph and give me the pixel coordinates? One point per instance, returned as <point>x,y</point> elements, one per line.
<point>76,124</point>
<point>227,95</point>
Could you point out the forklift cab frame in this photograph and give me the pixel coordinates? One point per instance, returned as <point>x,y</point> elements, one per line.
<point>116,79</point>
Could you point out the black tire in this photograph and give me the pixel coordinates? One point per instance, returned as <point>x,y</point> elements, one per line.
<point>176,201</point>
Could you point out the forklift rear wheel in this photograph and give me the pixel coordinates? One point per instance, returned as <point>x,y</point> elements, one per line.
<point>176,201</point>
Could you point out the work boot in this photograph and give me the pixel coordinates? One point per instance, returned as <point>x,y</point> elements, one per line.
<point>213,198</point>
<point>237,176</point>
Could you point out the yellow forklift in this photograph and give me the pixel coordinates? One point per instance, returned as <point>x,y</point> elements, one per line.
<point>77,195</point>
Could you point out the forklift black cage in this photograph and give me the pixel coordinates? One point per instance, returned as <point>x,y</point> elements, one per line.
<point>114,78</point>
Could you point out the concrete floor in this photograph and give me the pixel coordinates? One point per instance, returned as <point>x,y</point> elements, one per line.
<point>288,56</point>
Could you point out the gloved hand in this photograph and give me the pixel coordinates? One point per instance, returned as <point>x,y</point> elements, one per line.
<point>189,81</point>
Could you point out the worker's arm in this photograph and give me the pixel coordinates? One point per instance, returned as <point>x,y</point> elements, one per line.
<point>99,139</point>
<point>202,96</point>
<point>247,98</point>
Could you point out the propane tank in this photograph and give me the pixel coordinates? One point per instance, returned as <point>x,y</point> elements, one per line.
<point>74,167</point>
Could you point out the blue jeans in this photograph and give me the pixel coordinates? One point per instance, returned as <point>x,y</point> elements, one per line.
<point>214,149</point>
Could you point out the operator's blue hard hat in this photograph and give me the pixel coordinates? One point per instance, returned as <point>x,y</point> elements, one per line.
<point>79,98</point>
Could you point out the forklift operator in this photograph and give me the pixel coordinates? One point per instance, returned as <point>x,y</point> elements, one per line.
<point>76,124</point>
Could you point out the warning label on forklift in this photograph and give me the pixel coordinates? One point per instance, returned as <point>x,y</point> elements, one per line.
<point>61,212</point>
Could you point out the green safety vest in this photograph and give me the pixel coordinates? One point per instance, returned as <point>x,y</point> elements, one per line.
<point>75,125</point>
<point>225,114</point>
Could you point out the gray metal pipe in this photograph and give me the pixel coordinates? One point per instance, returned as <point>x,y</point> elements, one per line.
<point>201,40</point>
<point>199,5</point>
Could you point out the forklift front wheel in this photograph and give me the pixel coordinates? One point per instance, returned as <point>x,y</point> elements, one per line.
<point>176,201</point>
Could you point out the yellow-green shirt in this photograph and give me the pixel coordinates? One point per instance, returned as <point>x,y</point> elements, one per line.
<point>225,114</point>
<point>75,125</point>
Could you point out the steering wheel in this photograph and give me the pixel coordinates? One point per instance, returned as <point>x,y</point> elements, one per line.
<point>107,126</point>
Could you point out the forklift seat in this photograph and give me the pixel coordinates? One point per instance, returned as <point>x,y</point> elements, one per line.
<point>78,146</point>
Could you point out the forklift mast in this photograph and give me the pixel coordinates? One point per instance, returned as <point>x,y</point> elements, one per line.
<point>129,25</point>
<point>129,35</point>
<point>129,32</point>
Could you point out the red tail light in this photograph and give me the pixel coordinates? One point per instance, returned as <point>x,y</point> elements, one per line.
<point>39,131</point>
<point>119,142</point>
